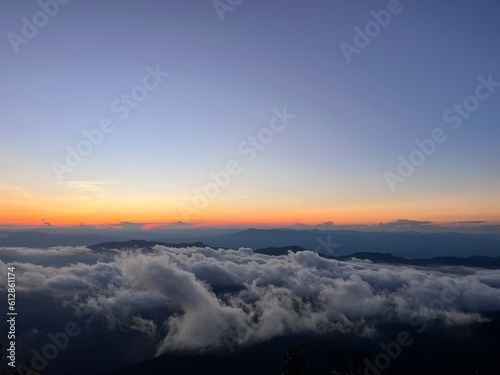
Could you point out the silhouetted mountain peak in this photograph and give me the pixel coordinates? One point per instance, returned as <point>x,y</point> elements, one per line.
<point>141,244</point>
<point>279,250</point>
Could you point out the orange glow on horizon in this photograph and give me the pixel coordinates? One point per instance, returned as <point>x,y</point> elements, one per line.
<point>211,221</point>
<point>153,212</point>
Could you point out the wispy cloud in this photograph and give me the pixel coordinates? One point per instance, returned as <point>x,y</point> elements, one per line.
<point>467,222</point>
<point>93,186</point>
<point>85,191</point>
<point>405,223</point>
<point>14,191</point>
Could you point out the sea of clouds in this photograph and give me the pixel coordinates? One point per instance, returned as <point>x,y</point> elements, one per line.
<point>199,299</point>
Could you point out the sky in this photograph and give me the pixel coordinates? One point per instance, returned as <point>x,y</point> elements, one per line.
<point>252,113</point>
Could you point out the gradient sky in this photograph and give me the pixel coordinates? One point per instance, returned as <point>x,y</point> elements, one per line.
<point>226,77</point>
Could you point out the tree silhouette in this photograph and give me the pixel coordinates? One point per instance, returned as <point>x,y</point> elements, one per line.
<point>294,362</point>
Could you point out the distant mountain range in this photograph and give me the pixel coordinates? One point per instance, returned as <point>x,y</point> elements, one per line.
<point>331,242</point>
<point>472,261</point>
<point>338,243</point>
<point>276,251</point>
<point>387,258</point>
<point>141,244</point>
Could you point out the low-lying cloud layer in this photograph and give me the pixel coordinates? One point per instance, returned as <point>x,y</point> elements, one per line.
<point>203,299</point>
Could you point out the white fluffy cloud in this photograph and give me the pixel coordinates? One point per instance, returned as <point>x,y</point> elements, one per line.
<point>234,297</point>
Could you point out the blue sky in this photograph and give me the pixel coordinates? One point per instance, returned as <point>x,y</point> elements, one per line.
<point>226,77</point>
